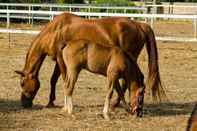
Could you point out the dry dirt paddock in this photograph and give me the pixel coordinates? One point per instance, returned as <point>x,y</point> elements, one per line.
<point>177,62</point>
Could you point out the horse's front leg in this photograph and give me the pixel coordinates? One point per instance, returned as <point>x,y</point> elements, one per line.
<point>60,68</point>
<point>107,100</point>
<point>53,81</point>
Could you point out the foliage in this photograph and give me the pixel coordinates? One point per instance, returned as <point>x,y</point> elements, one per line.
<point>20,1</point>
<point>105,2</point>
<point>112,2</point>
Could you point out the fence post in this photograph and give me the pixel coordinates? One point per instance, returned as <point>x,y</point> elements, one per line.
<point>70,9</point>
<point>29,22</point>
<point>8,19</point>
<point>32,16</point>
<point>195,28</point>
<point>146,12</point>
<point>125,10</point>
<point>51,15</point>
<point>152,19</point>
<point>8,25</point>
<point>89,10</point>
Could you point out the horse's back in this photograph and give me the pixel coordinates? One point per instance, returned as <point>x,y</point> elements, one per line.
<point>117,31</point>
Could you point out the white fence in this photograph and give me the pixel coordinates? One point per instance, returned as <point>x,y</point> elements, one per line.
<point>70,7</point>
<point>8,13</point>
<point>168,8</point>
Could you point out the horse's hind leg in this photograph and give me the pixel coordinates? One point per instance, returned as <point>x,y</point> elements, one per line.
<point>70,81</point>
<point>53,81</point>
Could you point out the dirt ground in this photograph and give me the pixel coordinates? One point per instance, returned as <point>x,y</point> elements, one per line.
<point>178,73</point>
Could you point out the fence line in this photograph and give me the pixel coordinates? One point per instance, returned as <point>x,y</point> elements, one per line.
<point>35,32</point>
<point>171,16</point>
<point>172,5</point>
<point>143,7</point>
<point>73,6</point>
<point>96,14</point>
<point>177,16</point>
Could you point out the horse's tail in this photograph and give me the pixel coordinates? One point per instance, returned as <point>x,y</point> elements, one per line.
<point>192,121</point>
<point>153,80</point>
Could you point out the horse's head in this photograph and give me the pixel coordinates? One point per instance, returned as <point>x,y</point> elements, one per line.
<point>30,85</point>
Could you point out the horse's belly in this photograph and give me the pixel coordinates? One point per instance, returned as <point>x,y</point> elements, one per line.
<point>96,67</point>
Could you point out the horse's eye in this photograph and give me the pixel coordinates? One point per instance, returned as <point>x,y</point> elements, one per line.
<point>22,82</point>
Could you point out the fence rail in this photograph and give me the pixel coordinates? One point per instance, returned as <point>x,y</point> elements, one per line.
<point>143,7</point>
<point>50,14</point>
<point>88,6</point>
<point>35,32</point>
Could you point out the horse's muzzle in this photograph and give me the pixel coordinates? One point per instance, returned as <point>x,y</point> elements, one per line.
<point>26,102</point>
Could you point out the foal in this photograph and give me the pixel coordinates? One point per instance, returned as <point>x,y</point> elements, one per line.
<point>109,61</point>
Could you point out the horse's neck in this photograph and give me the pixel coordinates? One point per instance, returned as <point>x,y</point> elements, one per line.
<point>34,59</point>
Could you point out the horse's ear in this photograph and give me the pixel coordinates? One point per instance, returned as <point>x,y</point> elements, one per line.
<point>19,72</point>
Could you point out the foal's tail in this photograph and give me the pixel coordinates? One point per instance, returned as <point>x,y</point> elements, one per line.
<point>153,80</point>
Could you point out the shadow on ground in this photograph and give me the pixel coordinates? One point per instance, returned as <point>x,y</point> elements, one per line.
<point>12,105</point>
<point>162,109</point>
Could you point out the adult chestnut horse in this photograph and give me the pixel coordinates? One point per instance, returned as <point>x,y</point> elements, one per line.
<point>129,35</point>
<point>192,122</point>
<point>109,61</point>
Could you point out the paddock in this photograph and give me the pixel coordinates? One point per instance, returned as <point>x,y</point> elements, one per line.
<point>178,70</point>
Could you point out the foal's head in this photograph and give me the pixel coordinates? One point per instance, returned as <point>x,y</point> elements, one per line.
<point>30,85</point>
<point>137,91</point>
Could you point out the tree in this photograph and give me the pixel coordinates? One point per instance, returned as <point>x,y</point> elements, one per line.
<point>70,1</point>
<point>113,2</point>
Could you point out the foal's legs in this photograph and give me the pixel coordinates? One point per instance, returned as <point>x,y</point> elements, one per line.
<point>69,84</point>
<point>116,101</point>
<point>113,84</point>
<point>121,95</point>
<point>53,81</point>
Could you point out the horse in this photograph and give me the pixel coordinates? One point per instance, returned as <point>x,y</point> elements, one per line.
<point>109,61</point>
<point>129,35</point>
<point>192,122</point>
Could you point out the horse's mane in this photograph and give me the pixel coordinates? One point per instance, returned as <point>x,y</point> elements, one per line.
<point>52,31</point>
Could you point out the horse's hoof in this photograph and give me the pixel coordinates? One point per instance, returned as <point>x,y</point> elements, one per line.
<point>115,103</point>
<point>50,105</point>
<point>134,110</point>
<point>73,116</point>
<point>64,109</point>
<point>112,108</point>
<point>106,117</point>
<point>139,114</point>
